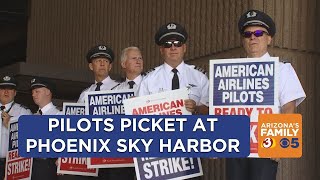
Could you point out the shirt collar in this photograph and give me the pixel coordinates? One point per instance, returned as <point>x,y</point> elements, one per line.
<point>136,80</point>
<point>46,108</point>
<point>8,106</point>
<point>105,81</point>
<point>265,56</point>
<point>168,68</point>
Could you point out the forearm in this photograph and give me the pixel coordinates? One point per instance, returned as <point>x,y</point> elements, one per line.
<point>289,108</point>
<point>202,109</point>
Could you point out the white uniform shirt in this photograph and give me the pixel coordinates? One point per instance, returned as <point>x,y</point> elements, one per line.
<point>50,109</point>
<point>289,85</point>
<point>108,84</point>
<point>160,80</point>
<point>125,84</point>
<point>16,111</point>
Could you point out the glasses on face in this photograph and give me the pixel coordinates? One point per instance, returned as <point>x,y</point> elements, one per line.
<point>169,44</point>
<point>257,33</point>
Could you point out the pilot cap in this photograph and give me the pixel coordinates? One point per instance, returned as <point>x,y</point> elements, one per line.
<point>257,18</point>
<point>42,82</point>
<point>8,82</point>
<point>100,51</point>
<point>171,31</point>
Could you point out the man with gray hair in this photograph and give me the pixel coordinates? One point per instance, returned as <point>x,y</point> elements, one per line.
<point>132,65</point>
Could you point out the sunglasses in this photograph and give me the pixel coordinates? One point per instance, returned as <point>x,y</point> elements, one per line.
<point>169,44</point>
<point>257,33</point>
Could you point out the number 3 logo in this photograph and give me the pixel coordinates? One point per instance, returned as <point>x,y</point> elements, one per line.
<point>268,143</point>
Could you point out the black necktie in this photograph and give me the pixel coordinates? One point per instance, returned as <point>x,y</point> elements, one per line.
<point>40,112</point>
<point>2,109</point>
<point>131,83</point>
<point>98,86</point>
<point>175,79</point>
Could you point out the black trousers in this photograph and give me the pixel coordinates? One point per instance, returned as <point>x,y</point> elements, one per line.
<point>2,167</point>
<point>105,174</point>
<point>44,169</point>
<point>117,173</point>
<point>251,169</point>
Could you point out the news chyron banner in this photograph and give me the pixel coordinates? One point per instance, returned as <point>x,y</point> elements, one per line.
<point>134,136</point>
<point>75,165</point>
<point>244,86</point>
<point>107,103</point>
<point>176,140</point>
<point>280,135</point>
<point>169,103</point>
<point>16,167</point>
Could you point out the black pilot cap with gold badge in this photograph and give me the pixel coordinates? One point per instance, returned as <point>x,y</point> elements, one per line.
<point>100,51</point>
<point>42,82</point>
<point>171,31</point>
<point>257,18</point>
<point>8,82</point>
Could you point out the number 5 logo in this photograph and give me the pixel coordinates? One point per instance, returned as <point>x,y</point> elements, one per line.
<point>295,142</point>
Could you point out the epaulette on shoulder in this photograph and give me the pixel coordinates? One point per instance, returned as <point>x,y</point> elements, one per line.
<point>149,71</point>
<point>115,86</point>
<point>200,69</point>
<point>143,74</point>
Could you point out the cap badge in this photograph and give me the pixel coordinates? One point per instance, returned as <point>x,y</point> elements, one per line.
<point>172,26</point>
<point>33,80</point>
<point>6,78</point>
<point>251,14</point>
<point>102,48</point>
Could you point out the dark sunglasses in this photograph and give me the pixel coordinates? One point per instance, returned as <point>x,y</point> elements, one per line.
<point>257,33</point>
<point>169,44</point>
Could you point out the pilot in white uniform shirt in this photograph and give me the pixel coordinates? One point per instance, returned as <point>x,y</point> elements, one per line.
<point>50,109</point>
<point>289,85</point>
<point>99,58</point>
<point>160,79</point>
<point>126,85</point>
<point>107,84</point>
<point>14,110</point>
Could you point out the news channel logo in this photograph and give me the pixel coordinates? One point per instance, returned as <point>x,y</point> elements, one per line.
<point>284,143</point>
<point>268,143</point>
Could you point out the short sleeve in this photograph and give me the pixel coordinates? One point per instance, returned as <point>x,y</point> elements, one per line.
<point>205,91</point>
<point>290,86</point>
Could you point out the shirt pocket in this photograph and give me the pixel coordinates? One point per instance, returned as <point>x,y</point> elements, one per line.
<point>157,89</point>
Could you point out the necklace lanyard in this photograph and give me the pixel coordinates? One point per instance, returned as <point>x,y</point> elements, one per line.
<point>10,108</point>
